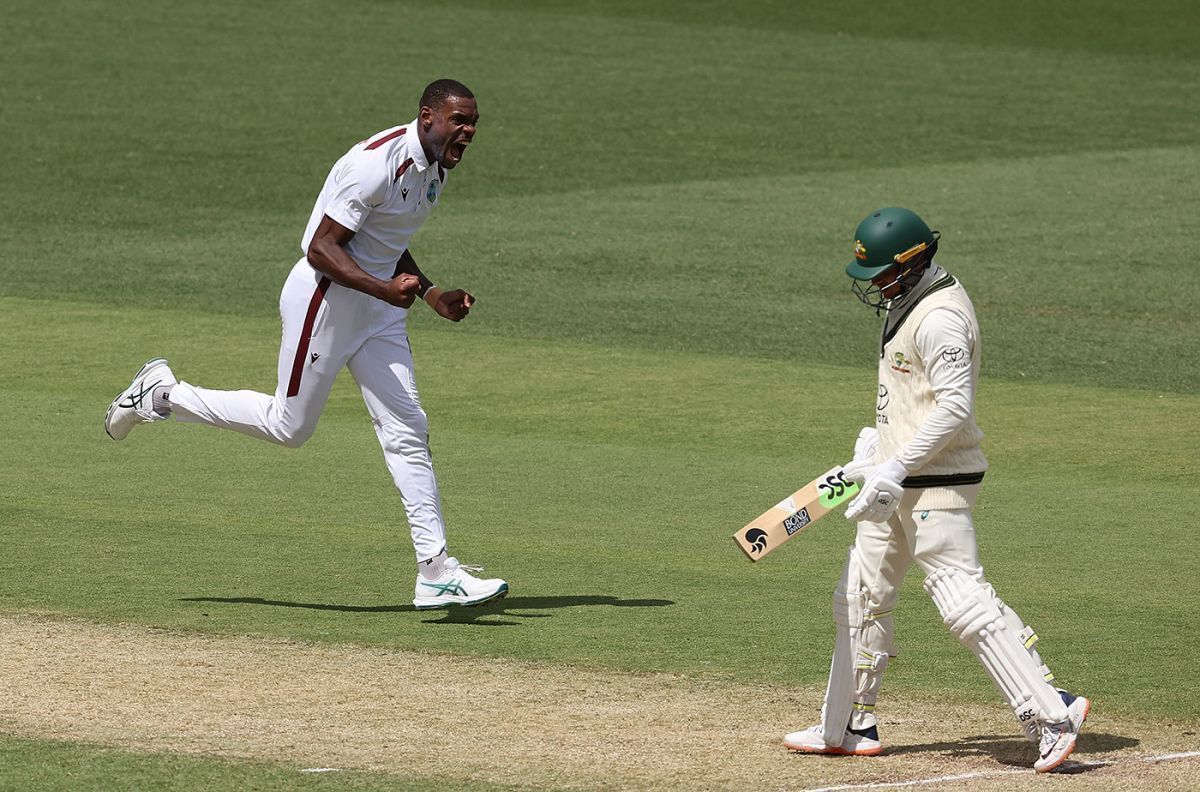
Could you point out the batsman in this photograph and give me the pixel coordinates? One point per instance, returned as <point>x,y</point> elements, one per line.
<point>921,468</point>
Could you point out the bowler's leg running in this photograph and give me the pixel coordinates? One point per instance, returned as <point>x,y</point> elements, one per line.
<point>383,369</point>
<point>322,325</point>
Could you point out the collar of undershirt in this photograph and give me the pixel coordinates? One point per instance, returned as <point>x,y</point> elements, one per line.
<point>934,279</point>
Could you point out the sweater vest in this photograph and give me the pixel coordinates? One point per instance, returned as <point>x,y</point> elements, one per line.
<point>951,479</point>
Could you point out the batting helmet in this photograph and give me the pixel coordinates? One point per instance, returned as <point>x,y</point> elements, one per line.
<point>887,238</point>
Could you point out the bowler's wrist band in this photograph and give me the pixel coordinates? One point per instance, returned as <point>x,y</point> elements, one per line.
<point>431,295</point>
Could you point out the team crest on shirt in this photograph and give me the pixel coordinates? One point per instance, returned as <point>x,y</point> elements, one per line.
<point>431,194</point>
<point>860,250</point>
<point>901,363</point>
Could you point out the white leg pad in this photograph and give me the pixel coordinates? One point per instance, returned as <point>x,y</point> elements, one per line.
<point>839,693</point>
<point>974,617</point>
<point>856,670</point>
<point>1029,640</point>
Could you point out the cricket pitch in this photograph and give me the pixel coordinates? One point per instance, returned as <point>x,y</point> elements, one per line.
<point>507,722</point>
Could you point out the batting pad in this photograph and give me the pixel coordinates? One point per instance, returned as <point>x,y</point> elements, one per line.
<point>853,662</point>
<point>973,616</point>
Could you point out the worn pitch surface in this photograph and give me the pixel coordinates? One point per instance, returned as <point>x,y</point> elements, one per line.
<point>398,712</point>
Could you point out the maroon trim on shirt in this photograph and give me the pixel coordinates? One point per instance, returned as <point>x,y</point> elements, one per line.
<point>401,169</point>
<point>391,136</point>
<point>441,172</point>
<point>310,319</point>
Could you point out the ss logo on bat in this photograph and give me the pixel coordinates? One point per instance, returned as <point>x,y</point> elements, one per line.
<point>834,486</point>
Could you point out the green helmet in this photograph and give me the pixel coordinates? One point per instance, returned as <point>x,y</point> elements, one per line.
<point>888,237</point>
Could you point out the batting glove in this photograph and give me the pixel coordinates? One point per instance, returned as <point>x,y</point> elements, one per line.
<point>881,492</point>
<point>866,444</point>
<point>857,470</point>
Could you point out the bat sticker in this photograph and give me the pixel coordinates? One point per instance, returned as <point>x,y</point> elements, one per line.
<point>796,522</point>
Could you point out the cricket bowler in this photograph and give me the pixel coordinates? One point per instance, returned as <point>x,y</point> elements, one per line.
<point>921,468</point>
<point>345,305</point>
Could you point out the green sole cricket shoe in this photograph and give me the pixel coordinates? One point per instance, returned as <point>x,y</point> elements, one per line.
<point>457,587</point>
<point>135,404</point>
<point>427,603</point>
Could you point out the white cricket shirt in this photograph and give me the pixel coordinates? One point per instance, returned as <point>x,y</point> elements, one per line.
<point>383,189</point>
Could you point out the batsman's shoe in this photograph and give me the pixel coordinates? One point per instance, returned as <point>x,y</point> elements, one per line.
<point>856,742</point>
<point>1076,712</point>
<point>135,404</point>
<point>1058,739</point>
<point>457,586</point>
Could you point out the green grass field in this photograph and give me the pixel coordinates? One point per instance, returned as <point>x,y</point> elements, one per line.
<point>654,218</point>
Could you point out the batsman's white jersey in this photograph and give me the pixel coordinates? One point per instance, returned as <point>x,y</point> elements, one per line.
<point>383,189</point>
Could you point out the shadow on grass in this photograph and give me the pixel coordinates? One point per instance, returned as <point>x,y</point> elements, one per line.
<point>470,615</point>
<point>1017,752</point>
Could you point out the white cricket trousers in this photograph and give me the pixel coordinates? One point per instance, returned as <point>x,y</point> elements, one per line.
<point>326,327</point>
<point>882,555</point>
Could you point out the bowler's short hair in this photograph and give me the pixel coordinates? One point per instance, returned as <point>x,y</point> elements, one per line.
<point>439,91</point>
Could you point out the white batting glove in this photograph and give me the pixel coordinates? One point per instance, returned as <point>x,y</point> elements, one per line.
<point>881,492</point>
<point>866,444</point>
<point>857,470</point>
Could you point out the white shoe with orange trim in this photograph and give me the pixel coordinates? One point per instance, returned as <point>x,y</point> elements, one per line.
<point>1058,739</point>
<point>856,742</point>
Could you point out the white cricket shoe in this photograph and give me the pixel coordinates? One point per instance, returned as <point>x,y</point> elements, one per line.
<point>135,404</point>
<point>1058,739</point>
<point>1076,712</point>
<point>457,586</point>
<point>859,742</point>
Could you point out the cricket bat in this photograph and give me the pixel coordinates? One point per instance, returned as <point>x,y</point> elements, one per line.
<point>794,513</point>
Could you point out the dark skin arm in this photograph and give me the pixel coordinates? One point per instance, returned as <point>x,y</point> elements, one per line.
<point>452,305</point>
<point>327,254</point>
<point>408,264</point>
